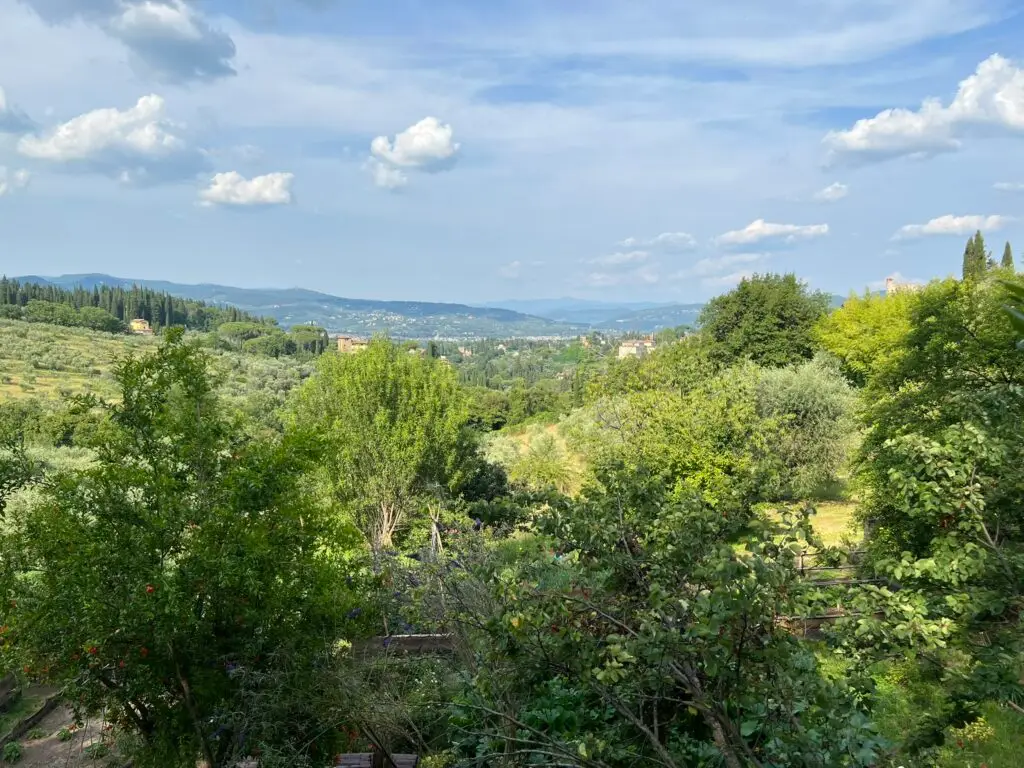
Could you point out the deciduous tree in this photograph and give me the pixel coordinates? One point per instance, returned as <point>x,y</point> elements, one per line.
<point>395,425</point>
<point>766,319</point>
<point>170,581</point>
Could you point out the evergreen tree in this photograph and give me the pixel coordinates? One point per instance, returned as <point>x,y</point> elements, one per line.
<point>976,258</point>
<point>1007,262</point>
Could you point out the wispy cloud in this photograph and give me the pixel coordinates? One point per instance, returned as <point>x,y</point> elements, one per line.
<point>12,120</point>
<point>620,258</point>
<point>761,231</point>
<point>642,276</point>
<point>832,193</point>
<point>13,181</point>
<point>1008,186</point>
<point>666,241</point>
<point>952,225</point>
<point>386,176</point>
<point>726,281</point>
<point>170,39</point>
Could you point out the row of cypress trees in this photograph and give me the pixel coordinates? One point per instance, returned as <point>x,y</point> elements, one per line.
<point>977,260</point>
<point>161,309</point>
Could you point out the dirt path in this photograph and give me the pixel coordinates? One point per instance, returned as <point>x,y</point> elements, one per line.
<point>50,752</point>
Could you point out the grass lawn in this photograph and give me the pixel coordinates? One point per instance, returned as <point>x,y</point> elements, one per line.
<point>834,522</point>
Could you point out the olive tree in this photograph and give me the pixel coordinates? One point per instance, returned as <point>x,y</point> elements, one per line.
<point>394,425</point>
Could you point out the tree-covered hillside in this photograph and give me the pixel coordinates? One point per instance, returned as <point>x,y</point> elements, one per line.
<point>793,537</point>
<point>110,308</point>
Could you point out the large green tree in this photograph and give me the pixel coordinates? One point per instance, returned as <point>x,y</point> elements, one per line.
<point>395,427</point>
<point>942,478</point>
<point>180,582</point>
<point>866,332</point>
<point>766,319</point>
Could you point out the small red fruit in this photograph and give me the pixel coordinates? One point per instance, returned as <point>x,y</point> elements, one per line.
<point>121,664</point>
<point>150,589</point>
<point>93,650</point>
<point>28,670</point>
<point>144,651</point>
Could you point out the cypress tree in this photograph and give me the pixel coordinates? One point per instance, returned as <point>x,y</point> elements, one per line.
<point>976,258</point>
<point>1007,262</point>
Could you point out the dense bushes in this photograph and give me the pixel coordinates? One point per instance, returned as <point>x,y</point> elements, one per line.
<point>180,582</point>
<point>620,582</point>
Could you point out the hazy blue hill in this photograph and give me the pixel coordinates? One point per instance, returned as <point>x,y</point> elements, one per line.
<point>292,306</point>
<point>419,319</point>
<point>624,316</point>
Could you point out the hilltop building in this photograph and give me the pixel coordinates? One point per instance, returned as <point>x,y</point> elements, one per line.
<point>141,327</point>
<point>891,286</point>
<point>637,347</point>
<point>348,345</point>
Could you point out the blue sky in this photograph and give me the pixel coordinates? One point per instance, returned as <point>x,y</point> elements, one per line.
<point>473,151</point>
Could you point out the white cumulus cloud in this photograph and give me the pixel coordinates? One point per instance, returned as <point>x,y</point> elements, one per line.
<point>666,241</point>
<point>761,231</point>
<point>952,225</point>
<point>136,144</point>
<point>1008,186</point>
<point>832,193</point>
<point>232,188</point>
<point>139,130</point>
<point>427,145</point>
<point>993,97</point>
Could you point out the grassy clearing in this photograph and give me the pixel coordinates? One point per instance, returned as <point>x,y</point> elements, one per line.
<point>835,523</point>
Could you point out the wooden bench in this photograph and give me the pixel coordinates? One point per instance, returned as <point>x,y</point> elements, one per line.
<point>377,760</point>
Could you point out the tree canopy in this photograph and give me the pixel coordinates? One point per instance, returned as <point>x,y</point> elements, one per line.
<point>180,577</point>
<point>767,319</point>
<point>396,426</point>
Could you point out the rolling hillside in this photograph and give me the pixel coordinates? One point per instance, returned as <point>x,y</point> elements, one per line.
<point>294,306</point>
<point>562,317</point>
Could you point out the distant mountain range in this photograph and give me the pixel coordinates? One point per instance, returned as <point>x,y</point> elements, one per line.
<point>414,319</point>
<point>633,316</point>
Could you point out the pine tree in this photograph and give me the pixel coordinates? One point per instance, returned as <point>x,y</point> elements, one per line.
<point>1007,262</point>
